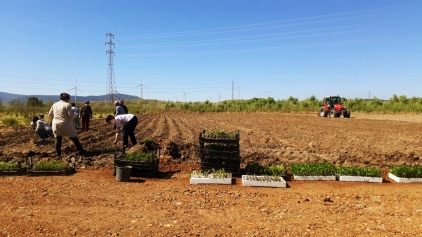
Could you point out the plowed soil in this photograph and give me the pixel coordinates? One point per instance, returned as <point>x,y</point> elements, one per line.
<point>92,203</point>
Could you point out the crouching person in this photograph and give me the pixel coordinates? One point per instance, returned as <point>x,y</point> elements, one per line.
<point>126,123</point>
<point>62,118</point>
<point>43,129</point>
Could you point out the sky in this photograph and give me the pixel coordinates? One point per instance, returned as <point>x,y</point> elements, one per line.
<point>212,50</point>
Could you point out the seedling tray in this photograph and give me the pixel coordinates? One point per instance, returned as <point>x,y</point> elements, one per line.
<point>139,168</point>
<point>194,180</point>
<point>404,180</point>
<point>360,179</point>
<point>281,183</point>
<point>67,171</point>
<point>18,171</point>
<point>203,139</point>
<point>211,154</point>
<point>315,178</point>
<point>233,167</point>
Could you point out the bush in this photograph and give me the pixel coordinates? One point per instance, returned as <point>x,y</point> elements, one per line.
<point>10,122</point>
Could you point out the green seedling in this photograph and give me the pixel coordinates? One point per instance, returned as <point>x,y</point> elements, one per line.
<point>356,171</point>
<point>407,171</point>
<point>313,169</point>
<point>50,165</point>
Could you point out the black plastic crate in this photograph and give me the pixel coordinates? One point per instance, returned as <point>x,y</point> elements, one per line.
<point>232,141</point>
<point>67,171</point>
<point>210,154</point>
<point>17,171</point>
<point>139,168</point>
<point>232,165</point>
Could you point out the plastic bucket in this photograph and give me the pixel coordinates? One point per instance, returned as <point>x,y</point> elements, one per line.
<point>123,173</point>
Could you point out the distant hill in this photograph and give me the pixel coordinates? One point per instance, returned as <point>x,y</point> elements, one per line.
<point>6,97</point>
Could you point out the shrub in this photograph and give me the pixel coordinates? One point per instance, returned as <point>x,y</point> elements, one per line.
<point>10,122</point>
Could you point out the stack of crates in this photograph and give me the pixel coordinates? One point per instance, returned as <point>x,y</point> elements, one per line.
<point>220,152</point>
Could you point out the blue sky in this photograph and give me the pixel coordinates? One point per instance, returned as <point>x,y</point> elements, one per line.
<point>197,50</point>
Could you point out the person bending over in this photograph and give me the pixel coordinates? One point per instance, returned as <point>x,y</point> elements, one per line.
<point>126,123</point>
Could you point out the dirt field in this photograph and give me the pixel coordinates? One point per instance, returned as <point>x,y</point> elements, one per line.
<point>92,203</point>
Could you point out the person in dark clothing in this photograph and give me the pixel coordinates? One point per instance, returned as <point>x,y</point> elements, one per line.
<point>119,109</point>
<point>86,115</point>
<point>126,123</point>
<point>121,102</point>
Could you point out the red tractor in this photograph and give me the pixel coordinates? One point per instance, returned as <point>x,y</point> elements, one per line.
<point>333,107</point>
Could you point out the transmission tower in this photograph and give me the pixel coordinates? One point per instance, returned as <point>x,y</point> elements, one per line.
<point>111,89</point>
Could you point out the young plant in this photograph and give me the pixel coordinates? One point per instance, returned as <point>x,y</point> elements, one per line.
<point>8,165</point>
<point>407,171</point>
<point>138,156</point>
<point>220,134</point>
<point>265,178</point>
<point>109,148</point>
<point>313,169</point>
<point>273,170</point>
<point>213,174</point>
<point>50,165</point>
<point>356,171</point>
<point>145,140</point>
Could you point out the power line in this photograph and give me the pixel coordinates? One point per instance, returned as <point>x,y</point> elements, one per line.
<point>261,48</point>
<point>265,37</point>
<point>182,33</point>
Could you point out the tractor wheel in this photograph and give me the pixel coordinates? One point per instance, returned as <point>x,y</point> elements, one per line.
<point>337,115</point>
<point>332,113</point>
<point>322,112</point>
<point>346,113</point>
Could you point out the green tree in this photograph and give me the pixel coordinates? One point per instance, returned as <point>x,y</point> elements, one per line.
<point>34,102</point>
